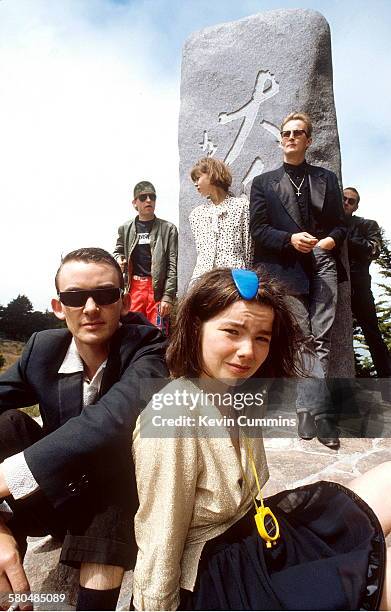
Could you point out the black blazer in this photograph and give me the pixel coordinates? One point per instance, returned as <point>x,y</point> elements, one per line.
<point>274,218</point>
<point>90,445</point>
<point>364,245</point>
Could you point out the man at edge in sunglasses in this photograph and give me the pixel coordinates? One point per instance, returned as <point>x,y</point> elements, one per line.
<point>364,245</point>
<point>74,477</point>
<point>147,251</point>
<point>298,225</point>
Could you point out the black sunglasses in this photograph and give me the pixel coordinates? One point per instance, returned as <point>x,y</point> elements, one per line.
<point>143,197</point>
<point>102,297</point>
<point>295,133</point>
<point>351,201</point>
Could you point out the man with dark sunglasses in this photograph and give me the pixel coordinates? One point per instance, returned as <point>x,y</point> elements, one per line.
<point>147,251</point>
<point>74,476</point>
<point>298,225</point>
<point>364,245</point>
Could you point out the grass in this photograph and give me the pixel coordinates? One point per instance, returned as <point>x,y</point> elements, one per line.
<point>11,350</point>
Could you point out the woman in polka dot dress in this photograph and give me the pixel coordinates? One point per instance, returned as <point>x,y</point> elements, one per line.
<point>220,225</point>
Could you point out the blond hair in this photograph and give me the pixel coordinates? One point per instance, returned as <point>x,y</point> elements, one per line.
<point>299,117</point>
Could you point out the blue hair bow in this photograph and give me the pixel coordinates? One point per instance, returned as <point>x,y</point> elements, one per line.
<point>246,282</point>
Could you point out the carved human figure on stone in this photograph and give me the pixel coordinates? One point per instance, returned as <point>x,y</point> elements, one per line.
<point>265,87</point>
<point>220,225</point>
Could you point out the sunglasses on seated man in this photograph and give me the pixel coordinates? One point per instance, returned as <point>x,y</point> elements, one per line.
<point>143,197</point>
<point>79,297</point>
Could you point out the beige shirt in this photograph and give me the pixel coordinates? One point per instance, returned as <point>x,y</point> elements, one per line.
<point>190,490</point>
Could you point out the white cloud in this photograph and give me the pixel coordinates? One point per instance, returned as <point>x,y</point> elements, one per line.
<point>89,100</point>
<point>80,123</point>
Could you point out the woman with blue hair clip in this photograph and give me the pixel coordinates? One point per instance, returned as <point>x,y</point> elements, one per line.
<point>207,540</point>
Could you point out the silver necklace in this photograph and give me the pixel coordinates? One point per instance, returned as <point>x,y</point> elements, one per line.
<point>298,192</point>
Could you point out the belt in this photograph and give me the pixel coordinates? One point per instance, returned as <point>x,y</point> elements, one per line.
<point>140,278</point>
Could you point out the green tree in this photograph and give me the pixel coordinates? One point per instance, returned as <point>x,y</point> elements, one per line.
<point>18,320</point>
<point>364,365</point>
<point>14,319</point>
<point>383,306</point>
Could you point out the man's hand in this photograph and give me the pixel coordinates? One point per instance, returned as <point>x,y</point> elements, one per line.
<point>122,263</point>
<point>303,242</point>
<point>326,243</point>
<point>12,576</point>
<point>165,308</point>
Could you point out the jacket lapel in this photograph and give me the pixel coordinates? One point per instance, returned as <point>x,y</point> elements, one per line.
<point>70,389</point>
<point>317,185</point>
<point>115,362</point>
<point>284,191</point>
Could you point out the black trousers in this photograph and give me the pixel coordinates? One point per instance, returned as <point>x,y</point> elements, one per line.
<point>364,311</point>
<point>97,528</point>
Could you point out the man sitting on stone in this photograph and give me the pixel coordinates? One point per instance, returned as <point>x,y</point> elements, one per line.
<point>147,251</point>
<point>364,245</point>
<point>297,223</point>
<point>75,477</point>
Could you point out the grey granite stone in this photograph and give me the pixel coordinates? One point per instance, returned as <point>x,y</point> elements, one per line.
<point>239,80</point>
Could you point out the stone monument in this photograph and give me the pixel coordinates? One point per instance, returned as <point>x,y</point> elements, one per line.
<point>239,80</point>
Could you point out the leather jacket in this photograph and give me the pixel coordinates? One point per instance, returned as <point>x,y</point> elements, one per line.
<point>164,252</point>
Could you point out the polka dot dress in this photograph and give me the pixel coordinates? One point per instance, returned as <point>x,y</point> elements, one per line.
<point>222,235</point>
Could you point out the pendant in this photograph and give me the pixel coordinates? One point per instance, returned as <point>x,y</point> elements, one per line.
<point>267,525</point>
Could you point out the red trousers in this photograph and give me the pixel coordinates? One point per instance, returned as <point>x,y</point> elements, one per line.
<point>142,298</point>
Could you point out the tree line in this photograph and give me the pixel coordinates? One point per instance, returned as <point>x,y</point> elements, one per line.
<point>18,320</point>
<point>364,365</point>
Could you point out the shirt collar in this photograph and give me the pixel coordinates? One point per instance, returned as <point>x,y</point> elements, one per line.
<point>299,170</point>
<point>218,209</point>
<point>73,362</point>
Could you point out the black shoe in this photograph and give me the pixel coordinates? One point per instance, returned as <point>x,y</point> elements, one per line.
<point>306,426</point>
<point>327,433</point>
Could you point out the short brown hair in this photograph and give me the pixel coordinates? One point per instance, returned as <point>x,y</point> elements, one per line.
<point>355,191</point>
<point>212,293</point>
<point>295,116</point>
<point>218,172</point>
<point>94,255</point>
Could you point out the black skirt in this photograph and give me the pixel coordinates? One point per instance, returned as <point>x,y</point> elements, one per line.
<point>330,556</point>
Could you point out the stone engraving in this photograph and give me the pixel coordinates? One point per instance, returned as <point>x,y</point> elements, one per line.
<point>265,87</point>
<point>239,80</point>
<point>207,145</point>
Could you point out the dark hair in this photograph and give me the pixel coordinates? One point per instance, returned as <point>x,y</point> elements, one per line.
<point>355,191</point>
<point>218,172</point>
<point>212,293</point>
<point>94,255</point>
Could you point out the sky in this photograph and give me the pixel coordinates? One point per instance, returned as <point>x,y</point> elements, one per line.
<point>89,103</point>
